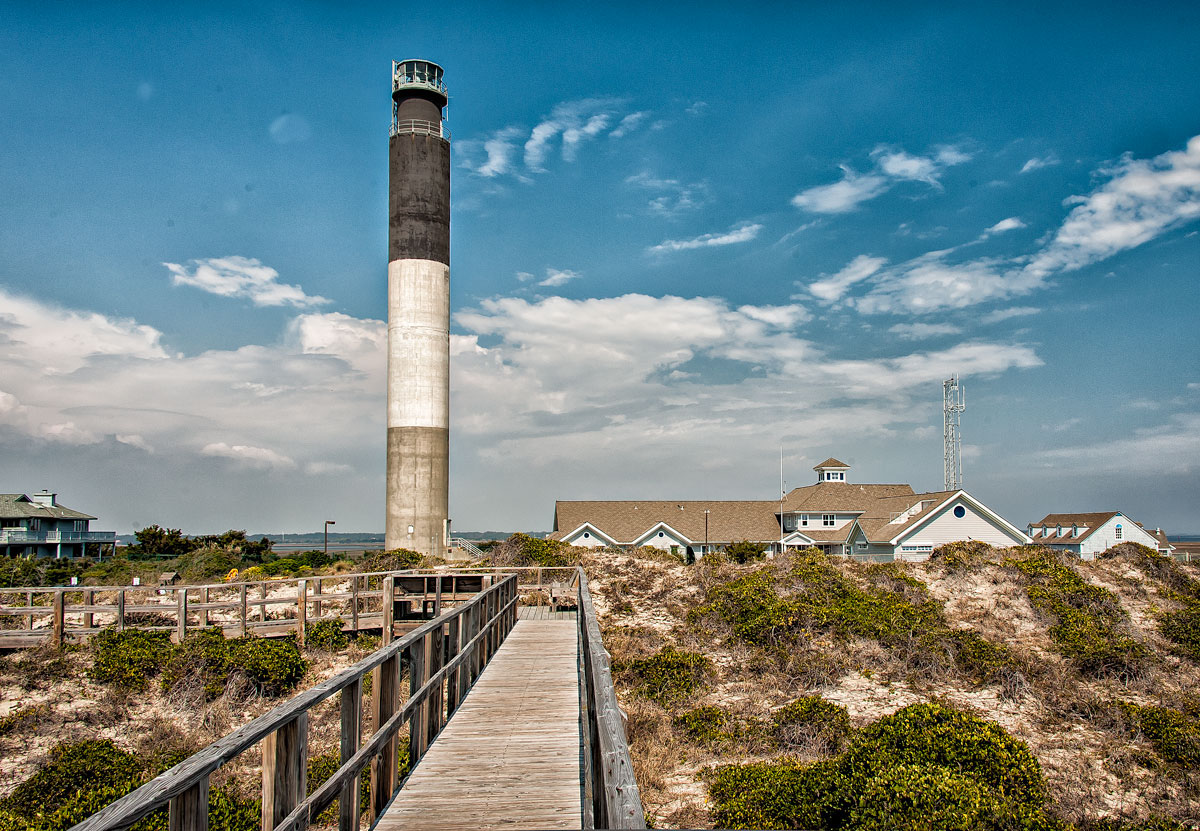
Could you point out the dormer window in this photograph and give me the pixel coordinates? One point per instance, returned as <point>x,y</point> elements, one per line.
<point>835,476</point>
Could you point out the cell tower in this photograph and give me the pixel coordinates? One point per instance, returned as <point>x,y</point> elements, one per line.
<point>953,403</point>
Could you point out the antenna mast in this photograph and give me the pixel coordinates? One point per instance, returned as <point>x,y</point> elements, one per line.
<point>953,403</point>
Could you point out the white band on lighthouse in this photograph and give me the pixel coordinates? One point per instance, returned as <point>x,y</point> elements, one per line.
<point>418,343</point>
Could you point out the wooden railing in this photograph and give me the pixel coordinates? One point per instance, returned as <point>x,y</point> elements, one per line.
<point>610,792</point>
<point>442,658</point>
<point>74,614</point>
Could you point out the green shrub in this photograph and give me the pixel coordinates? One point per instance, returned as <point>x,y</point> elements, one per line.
<point>72,769</point>
<point>1088,619</point>
<point>925,766</point>
<point>750,606</point>
<point>1182,628</point>
<point>709,725</point>
<point>812,718</point>
<point>539,552</point>
<point>22,717</point>
<point>273,665</point>
<point>1174,734</point>
<point>746,551</point>
<point>130,658</point>
<point>669,676</point>
<point>980,658</point>
<point>327,635</point>
<point>962,555</point>
<point>203,656</point>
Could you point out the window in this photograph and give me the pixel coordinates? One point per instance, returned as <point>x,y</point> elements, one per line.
<point>36,525</point>
<point>1118,532</point>
<point>80,525</point>
<point>661,534</point>
<point>835,476</point>
<point>862,544</point>
<point>827,519</point>
<point>586,535</point>
<point>960,511</point>
<point>916,548</point>
<point>803,520</point>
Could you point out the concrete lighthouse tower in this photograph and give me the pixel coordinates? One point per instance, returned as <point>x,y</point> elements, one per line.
<point>418,357</point>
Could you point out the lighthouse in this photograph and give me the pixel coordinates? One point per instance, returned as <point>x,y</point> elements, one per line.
<point>418,342</point>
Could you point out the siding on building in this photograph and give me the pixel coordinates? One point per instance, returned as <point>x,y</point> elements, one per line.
<point>946,527</point>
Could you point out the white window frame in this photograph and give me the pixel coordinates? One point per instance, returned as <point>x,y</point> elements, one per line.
<point>803,520</point>
<point>828,520</point>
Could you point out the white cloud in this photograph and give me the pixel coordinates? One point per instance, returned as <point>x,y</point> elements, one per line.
<point>289,128</point>
<point>1007,314</point>
<point>628,124</point>
<point>741,233</point>
<point>781,317</point>
<point>1171,448</point>
<point>1010,224</point>
<point>892,165</point>
<point>558,277</point>
<point>843,196</point>
<point>1143,199</point>
<point>923,331</point>
<point>697,108</point>
<point>500,148</point>
<point>327,468</point>
<point>1037,163</point>
<point>674,197</point>
<point>134,440</point>
<point>246,277</point>
<point>260,457</point>
<point>575,122</point>
<point>830,289</point>
<point>524,276</point>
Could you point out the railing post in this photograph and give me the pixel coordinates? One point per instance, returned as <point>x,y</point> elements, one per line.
<point>262,608</point>
<point>181,623</point>
<point>189,810</point>
<point>89,599</point>
<point>284,770</point>
<point>29,603</point>
<point>386,692</point>
<point>389,609</point>
<point>351,735</point>
<point>417,663</point>
<point>301,611</point>
<point>318,606</point>
<point>354,603</point>
<point>453,645</point>
<point>204,619</point>
<point>59,623</point>
<point>245,609</point>
<point>437,598</point>
<point>437,653</point>
<point>121,610</point>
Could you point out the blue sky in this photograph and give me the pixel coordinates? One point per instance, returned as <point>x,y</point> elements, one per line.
<point>681,237</point>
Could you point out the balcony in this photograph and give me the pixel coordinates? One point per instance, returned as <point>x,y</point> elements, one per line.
<point>421,128</point>
<point>20,536</point>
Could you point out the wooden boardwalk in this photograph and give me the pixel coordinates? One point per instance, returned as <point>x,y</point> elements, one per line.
<point>510,755</point>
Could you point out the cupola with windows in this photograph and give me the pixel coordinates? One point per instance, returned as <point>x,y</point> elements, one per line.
<point>831,470</point>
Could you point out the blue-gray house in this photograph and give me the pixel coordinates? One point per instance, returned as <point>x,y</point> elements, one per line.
<point>37,526</point>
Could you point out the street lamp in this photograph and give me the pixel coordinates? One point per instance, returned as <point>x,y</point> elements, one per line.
<point>328,522</point>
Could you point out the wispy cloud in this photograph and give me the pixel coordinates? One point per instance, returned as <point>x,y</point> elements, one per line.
<point>260,457</point>
<point>1000,315</point>
<point>843,196</point>
<point>923,331</point>
<point>742,233</point>
<point>559,277</point>
<point>628,124</point>
<point>1037,163</point>
<point>673,197</point>
<point>575,122</point>
<point>246,277</point>
<point>1010,224</point>
<point>289,128</point>
<point>1142,199</point>
<point>500,148</point>
<point>891,165</point>
<point>832,288</point>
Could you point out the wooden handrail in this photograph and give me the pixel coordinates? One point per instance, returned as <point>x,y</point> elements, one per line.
<point>436,663</point>
<point>200,600</point>
<point>610,791</point>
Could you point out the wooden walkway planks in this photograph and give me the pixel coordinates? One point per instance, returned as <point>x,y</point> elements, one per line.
<point>509,757</point>
<point>544,613</point>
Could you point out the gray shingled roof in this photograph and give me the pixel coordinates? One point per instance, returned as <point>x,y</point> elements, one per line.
<point>840,496</point>
<point>1091,522</point>
<point>626,521</point>
<point>20,506</point>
